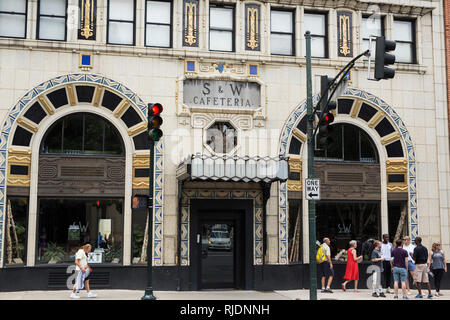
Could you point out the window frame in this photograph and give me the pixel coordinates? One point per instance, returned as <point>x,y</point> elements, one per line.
<point>326,36</point>
<point>293,11</point>
<point>39,15</point>
<point>108,20</point>
<point>414,39</point>
<point>160,24</point>
<point>233,31</point>
<point>383,28</point>
<point>83,141</point>
<point>16,14</point>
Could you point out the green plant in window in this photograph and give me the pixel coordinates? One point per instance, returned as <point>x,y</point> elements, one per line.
<point>53,253</point>
<point>138,239</point>
<point>113,253</point>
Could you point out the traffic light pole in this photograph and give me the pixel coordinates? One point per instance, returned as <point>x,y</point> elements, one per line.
<point>311,203</point>
<point>149,290</point>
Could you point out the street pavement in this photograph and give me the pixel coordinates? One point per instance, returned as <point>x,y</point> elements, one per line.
<point>211,295</point>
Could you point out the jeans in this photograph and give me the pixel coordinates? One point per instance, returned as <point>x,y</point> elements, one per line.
<point>399,274</point>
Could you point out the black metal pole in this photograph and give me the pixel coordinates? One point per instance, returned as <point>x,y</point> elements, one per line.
<point>149,290</point>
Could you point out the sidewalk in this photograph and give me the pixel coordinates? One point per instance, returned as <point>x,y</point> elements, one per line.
<point>210,295</point>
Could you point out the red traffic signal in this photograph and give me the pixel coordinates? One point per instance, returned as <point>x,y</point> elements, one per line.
<point>157,108</point>
<point>155,121</point>
<point>325,130</point>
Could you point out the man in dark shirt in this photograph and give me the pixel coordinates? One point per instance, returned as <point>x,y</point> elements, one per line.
<point>399,265</point>
<point>420,256</point>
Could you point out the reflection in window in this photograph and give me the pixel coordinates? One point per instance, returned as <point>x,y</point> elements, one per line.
<point>295,230</point>
<point>221,137</point>
<point>350,144</point>
<point>140,223</point>
<point>82,133</point>
<point>67,224</point>
<point>282,32</point>
<point>15,234</point>
<point>342,222</point>
<point>13,16</point>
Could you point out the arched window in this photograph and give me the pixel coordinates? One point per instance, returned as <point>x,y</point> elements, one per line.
<point>350,144</point>
<point>82,134</point>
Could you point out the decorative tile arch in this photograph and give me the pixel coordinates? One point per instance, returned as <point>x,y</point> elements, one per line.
<point>405,138</point>
<point>116,87</point>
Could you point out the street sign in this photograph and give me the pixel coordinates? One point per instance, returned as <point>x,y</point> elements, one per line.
<point>312,189</point>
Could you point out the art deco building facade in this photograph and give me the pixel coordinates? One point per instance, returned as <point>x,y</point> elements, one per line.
<point>76,77</point>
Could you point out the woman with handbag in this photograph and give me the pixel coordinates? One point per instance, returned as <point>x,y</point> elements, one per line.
<point>351,271</point>
<point>438,266</point>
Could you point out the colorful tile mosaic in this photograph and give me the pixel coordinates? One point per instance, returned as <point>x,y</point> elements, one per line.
<point>256,196</point>
<point>354,93</point>
<point>24,103</point>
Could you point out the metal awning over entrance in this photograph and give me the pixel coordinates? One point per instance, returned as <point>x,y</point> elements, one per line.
<point>233,168</point>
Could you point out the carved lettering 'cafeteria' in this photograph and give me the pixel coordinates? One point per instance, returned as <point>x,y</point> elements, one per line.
<point>221,94</point>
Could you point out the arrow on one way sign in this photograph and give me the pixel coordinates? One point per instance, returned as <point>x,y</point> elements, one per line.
<point>312,189</point>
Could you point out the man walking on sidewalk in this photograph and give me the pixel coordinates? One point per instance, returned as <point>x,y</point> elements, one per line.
<point>386,250</point>
<point>327,266</point>
<point>422,267</point>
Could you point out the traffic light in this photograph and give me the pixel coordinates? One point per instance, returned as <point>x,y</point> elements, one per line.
<point>324,83</point>
<point>155,121</point>
<point>383,59</point>
<point>324,139</point>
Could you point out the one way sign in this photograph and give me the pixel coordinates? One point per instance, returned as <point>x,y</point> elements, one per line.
<point>312,189</point>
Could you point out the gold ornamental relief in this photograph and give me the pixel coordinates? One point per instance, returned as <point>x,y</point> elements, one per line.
<point>344,28</point>
<point>87,19</point>
<point>252,27</point>
<point>190,23</point>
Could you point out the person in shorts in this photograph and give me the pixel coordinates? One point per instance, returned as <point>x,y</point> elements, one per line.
<point>422,267</point>
<point>327,266</point>
<point>399,266</point>
<point>408,246</point>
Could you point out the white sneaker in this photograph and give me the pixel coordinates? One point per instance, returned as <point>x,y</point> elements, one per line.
<point>74,296</point>
<point>92,295</point>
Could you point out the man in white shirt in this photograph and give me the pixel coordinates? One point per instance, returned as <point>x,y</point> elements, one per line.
<point>408,246</point>
<point>83,271</point>
<point>327,266</point>
<point>386,250</point>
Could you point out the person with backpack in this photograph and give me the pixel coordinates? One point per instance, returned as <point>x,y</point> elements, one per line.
<point>326,265</point>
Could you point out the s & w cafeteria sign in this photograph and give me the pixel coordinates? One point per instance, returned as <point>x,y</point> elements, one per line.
<point>221,94</point>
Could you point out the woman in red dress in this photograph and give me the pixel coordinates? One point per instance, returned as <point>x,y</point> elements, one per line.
<point>351,272</point>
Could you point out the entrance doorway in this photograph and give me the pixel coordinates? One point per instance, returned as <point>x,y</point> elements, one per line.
<point>221,245</point>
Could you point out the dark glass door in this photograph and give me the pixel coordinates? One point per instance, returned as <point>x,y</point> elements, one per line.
<point>217,264</point>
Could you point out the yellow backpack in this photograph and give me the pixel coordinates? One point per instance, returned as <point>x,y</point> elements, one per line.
<point>320,257</point>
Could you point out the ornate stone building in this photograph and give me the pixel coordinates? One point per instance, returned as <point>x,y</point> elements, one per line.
<point>76,77</point>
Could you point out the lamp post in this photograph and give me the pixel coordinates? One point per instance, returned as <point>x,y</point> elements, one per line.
<point>311,203</point>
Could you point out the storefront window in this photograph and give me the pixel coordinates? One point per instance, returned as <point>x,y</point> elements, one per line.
<point>15,235</point>
<point>295,230</point>
<point>139,238</point>
<point>342,222</point>
<point>67,224</point>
